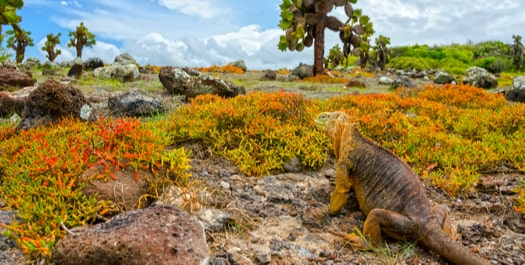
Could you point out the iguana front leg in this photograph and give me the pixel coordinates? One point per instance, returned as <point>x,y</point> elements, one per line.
<point>341,190</point>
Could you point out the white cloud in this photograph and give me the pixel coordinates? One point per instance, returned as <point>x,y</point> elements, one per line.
<point>71,3</point>
<point>154,48</point>
<point>200,8</point>
<point>248,38</point>
<point>105,51</point>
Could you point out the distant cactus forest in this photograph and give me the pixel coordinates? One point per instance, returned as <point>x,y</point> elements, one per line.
<point>449,134</point>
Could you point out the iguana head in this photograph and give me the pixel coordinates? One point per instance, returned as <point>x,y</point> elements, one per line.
<point>328,121</point>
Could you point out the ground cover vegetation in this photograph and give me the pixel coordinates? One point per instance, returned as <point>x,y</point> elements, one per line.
<point>449,134</point>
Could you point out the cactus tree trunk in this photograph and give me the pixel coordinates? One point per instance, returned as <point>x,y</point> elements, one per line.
<point>321,9</point>
<point>319,48</point>
<point>79,47</point>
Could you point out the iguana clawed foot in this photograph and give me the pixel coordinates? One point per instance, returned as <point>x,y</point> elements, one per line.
<point>356,241</point>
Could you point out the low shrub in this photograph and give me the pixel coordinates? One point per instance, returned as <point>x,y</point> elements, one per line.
<point>258,131</point>
<point>220,69</point>
<point>41,177</point>
<point>325,79</point>
<point>460,129</point>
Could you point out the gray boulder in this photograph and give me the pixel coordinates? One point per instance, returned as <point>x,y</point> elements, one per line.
<point>50,65</point>
<point>122,72</point>
<point>160,234</point>
<point>385,80</point>
<point>30,63</point>
<point>183,81</point>
<point>126,72</point>
<point>517,92</point>
<point>402,81</point>
<point>480,77</point>
<point>239,63</point>
<point>303,70</point>
<point>176,80</point>
<point>269,75</point>
<point>93,63</point>
<point>204,84</point>
<point>125,58</point>
<point>77,60</point>
<point>134,104</point>
<point>444,78</point>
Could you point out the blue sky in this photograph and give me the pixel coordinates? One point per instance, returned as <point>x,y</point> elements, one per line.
<point>205,32</point>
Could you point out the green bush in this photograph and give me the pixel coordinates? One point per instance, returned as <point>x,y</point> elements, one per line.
<point>494,64</point>
<point>490,48</point>
<point>452,66</point>
<point>405,62</point>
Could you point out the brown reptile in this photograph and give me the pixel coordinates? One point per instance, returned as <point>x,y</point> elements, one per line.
<point>388,192</point>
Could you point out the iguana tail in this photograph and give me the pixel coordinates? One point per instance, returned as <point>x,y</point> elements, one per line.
<point>436,240</point>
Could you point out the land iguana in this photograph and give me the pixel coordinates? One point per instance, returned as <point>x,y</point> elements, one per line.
<point>388,192</point>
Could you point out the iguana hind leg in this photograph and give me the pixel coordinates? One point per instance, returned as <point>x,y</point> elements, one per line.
<point>441,213</point>
<point>393,224</point>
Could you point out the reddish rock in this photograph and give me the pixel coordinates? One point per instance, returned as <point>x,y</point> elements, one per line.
<point>125,191</point>
<point>161,234</point>
<point>10,77</point>
<point>10,105</point>
<point>75,71</point>
<point>51,101</point>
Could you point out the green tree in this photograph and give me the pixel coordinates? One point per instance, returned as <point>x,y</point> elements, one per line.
<point>81,37</point>
<point>335,57</point>
<point>49,47</point>
<point>517,52</point>
<point>18,40</point>
<point>8,14</point>
<point>304,23</point>
<point>382,51</point>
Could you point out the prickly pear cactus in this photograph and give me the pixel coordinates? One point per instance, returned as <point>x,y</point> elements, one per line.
<point>304,22</point>
<point>8,12</point>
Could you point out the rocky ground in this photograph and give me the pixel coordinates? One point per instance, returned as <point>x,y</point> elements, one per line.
<point>282,218</point>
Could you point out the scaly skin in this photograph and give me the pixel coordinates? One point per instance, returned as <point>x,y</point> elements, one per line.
<point>388,192</point>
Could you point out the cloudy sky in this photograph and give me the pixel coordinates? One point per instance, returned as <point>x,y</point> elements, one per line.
<point>206,32</point>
